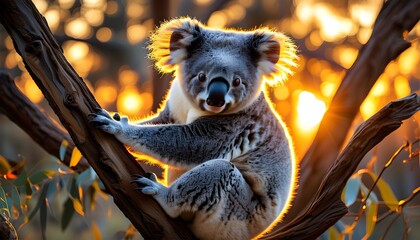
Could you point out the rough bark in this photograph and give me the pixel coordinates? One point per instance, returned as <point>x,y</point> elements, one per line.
<point>385,44</point>
<point>72,102</point>
<point>19,109</point>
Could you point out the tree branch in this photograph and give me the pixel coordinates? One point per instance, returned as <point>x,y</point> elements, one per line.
<point>385,44</point>
<point>20,110</point>
<point>72,102</point>
<point>327,207</point>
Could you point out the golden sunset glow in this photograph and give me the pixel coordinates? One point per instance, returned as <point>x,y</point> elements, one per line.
<point>106,93</point>
<point>128,61</point>
<point>310,110</point>
<point>129,102</point>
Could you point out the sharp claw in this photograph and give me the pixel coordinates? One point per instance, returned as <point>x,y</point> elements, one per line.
<point>134,181</point>
<point>141,185</point>
<point>136,176</point>
<point>97,123</point>
<point>101,112</point>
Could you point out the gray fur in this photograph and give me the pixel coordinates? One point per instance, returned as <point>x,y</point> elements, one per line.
<point>238,162</point>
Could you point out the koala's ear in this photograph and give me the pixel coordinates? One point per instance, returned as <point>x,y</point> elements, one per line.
<point>169,43</point>
<point>276,55</point>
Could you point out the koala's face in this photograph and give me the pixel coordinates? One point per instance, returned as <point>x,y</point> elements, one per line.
<point>221,71</point>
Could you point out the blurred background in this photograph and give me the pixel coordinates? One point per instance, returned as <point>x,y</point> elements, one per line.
<point>106,43</point>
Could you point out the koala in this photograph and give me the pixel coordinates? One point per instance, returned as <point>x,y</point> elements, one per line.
<point>218,128</point>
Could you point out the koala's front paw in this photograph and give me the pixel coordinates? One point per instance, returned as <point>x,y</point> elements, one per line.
<point>102,119</point>
<point>147,185</point>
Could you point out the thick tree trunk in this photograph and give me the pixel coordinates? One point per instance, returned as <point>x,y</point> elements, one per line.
<point>72,102</point>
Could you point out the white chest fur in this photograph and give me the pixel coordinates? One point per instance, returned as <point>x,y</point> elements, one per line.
<point>181,108</point>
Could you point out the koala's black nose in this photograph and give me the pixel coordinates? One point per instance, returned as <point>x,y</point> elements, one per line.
<point>218,88</point>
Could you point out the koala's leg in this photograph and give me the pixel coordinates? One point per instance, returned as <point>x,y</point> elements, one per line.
<point>212,190</point>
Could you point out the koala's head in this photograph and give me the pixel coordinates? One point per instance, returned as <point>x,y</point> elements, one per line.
<point>221,70</point>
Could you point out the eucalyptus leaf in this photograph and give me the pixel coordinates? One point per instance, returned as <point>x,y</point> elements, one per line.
<point>63,148</point>
<point>40,201</point>
<point>43,217</point>
<point>38,177</point>
<point>67,214</point>
<point>351,190</point>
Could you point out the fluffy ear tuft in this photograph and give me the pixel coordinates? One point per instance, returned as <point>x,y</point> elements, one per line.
<point>169,42</point>
<point>277,55</point>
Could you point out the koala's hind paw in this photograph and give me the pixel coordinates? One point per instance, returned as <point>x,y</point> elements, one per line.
<point>102,119</point>
<point>147,185</point>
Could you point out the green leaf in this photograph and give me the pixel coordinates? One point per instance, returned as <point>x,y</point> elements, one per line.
<point>351,190</point>
<point>4,206</point>
<point>52,189</point>
<point>52,192</point>
<point>91,193</point>
<point>63,148</point>
<point>22,179</point>
<point>43,217</point>
<point>40,201</point>
<point>12,193</point>
<point>86,178</point>
<point>67,214</point>
<point>28,189</point>
<point>38,177</point>
<point>72,187</point>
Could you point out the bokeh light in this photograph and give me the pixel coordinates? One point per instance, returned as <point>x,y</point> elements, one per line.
<point>78,28</point>
<point>310,110</point>
<point>105,41</point>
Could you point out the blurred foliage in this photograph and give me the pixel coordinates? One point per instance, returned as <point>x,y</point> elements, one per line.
<point>53,192</point>
<point>105,41</point>
<point>374,206</point>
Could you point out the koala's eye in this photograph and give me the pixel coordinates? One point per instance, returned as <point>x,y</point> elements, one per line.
<point>201,77</point>
<point>236,82</point>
